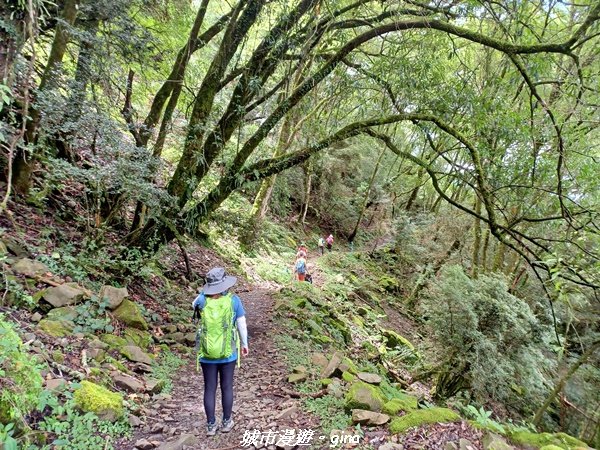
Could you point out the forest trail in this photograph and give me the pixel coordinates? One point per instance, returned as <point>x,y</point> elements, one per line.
<point>261,402</point>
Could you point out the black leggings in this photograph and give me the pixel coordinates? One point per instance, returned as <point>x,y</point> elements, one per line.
<point>225,372</point>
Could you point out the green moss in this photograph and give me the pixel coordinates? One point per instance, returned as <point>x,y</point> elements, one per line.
<point>395,405</point>
<point>394,340</point>
<point>107,405</point>
<point>129,313</point>
<point>364,396</point>
<point>21,383</point>
<point>551,447</point>
<point>113,341</point>
<point>58,357</point>
<point>56,328</point>
<point>351,367</point>
<point>539,440</point>
<point>422,417</point>
<point>326,382</point>
<point>348,377</point>
<point>63,313</point>
<point>141,338</point>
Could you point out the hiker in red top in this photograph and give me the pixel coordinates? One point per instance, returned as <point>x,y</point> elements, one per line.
<point>329,241</point>
<point>302,251</point>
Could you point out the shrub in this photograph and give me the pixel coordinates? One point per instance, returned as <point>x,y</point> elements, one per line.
<point>486,339</point>
<point>20,379</point>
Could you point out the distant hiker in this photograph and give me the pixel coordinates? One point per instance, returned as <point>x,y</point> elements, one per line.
<point>322,245</point>
<point>220,312</point>
<point>302,251</point>
<point>329,242</point>
<point>300,268</point>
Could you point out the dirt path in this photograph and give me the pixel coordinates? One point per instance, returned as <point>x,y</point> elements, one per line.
<point>261,402</point>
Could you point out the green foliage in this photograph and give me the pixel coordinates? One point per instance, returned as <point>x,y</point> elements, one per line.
<point>164,368</point>
<point>20,373</point>
<point>17,296</point>
<point>485,338</point>
<point>73,430</point>
<point>92,317</point>
<point>484,419</point>
<point>330,411</point>
<point>6,436</point>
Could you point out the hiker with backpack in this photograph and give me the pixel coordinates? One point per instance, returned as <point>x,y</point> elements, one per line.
<point>322,245</point>
<point>329,242</point>
<point>300,268</point>
<point>302,251</point>
<point>220,313</point>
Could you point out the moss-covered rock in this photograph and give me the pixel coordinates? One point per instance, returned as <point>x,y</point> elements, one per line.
<point>57,356</point>
<point>63,313</point>
<point>113,341</point>
<point>135,354</point>
<point>348,377</point>
<point>326,382</point>
<point>551,447</point>
<point>142,339</point>
<point>30,267</point>
<point>404,404</point>
<point>107,405</point>
<point>364,396</point>
<point>348,365</point>
<point>539,440</point>
<point>393,340</point>
<point>422,417</point>
<point>129,313</point>
<point>56,328</point>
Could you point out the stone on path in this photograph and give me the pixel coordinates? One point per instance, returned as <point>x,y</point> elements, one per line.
<point>143,444</point>
<point>185,439</point>
<point>128,383</point>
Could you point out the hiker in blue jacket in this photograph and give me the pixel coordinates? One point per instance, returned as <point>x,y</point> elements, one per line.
<point>218,350</point>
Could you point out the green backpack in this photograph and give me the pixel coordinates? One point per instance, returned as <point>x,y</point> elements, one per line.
<point>217,329</point>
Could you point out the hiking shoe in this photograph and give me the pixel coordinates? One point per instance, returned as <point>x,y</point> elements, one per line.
<point>227,425</point>
<point>211,429</point>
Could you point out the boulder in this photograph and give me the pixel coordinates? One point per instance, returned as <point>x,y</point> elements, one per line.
<point>155,386</point>
<point>114,296</point>
<point>421,417</point>
<point>364,396</point>
<point>36,317</point>
<point>465,444</point>
<point>55,383</point>
<point>56,328</point>
<point>134,421</point>
<point>128,383</point>
<point>493,441</point>
<point>391,446</point>
<point>63,313</point>
<point>15,247</point>
<point>332,367</point>
<point>64,295</point>
<point>135,354</point>
<point>130,314</point>
<point>319,359</point>
<point>297,377</point>
<point>30,268</point>
<point>184,440</point>
<point>113,341</point>
<point>91,397</point>
<point>143,444</point>
<point>364,417</point>
<point>370,378</point>
<point>178,337</point>
<point>142,339</point>
<point>190,338</point>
